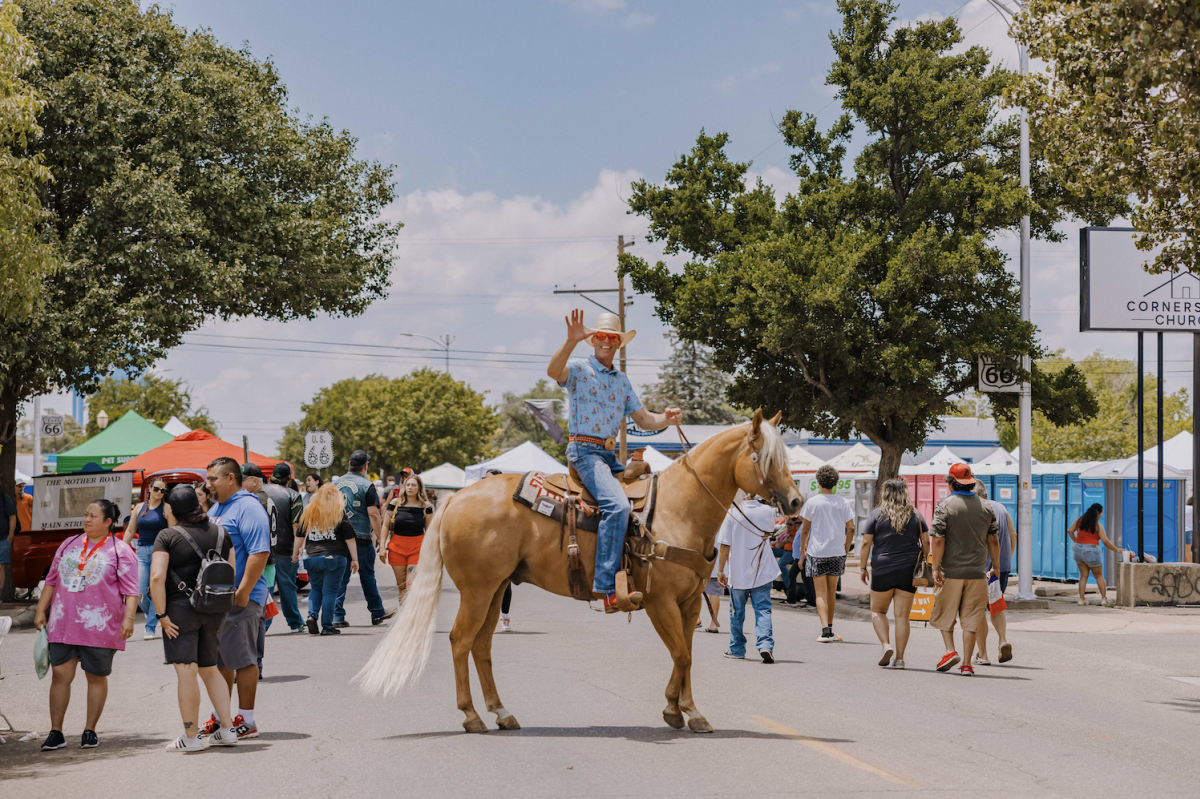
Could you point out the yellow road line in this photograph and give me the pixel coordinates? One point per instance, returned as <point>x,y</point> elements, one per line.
<point>833,751</point>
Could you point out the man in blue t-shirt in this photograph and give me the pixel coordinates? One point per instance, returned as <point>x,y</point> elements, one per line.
<point>243,517</point>
<point>599,398</point>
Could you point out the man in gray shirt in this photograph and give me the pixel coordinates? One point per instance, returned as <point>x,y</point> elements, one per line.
<point>962,536</point>
<point>1007,539</point>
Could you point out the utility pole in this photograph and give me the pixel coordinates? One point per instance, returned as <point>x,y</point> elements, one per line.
<point>446,341</point>
<point>621,315</point>
<point>37,436</point>
<point>1008,10</point>
<point>622,304</point>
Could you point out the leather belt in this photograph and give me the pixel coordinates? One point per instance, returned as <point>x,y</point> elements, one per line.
<point>609,443</point>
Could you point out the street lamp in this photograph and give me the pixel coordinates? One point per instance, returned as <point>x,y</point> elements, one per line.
<point>1008,10</point>
<point>444,342</point>
<point>102,420</point>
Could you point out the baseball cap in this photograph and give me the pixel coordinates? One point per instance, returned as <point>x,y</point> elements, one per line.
<point>359,458</point>
<point>282,469</point>
<point>961,472</point>
<point>251,470</point>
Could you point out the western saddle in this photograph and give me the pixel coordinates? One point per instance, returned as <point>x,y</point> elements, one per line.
<point>636,481</point>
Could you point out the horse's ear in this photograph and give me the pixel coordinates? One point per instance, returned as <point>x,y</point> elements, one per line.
<point>756,423</point>
<point>774,420</point>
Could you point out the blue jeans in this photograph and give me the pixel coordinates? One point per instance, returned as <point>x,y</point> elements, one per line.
<point>366,576</point>
<point>597,467</point>
<point>760,599</point>
<point>785,558</point>
<point>324,581</point>
<point>285,579</point>
<point>144,555</point>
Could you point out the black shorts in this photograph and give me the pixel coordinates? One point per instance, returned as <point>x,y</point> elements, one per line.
<point>96,660</point>
<point>199,636</point>
<point>898,580</point>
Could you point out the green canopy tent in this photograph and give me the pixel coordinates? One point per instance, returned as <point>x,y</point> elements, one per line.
<point>123,440</point>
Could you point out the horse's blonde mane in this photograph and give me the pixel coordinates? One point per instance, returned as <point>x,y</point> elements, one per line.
<point>772,452</point>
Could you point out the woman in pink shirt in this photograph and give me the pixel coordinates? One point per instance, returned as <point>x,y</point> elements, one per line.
<point>87,607</point>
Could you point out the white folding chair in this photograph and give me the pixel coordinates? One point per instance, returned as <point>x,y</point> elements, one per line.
<point>5,626</point>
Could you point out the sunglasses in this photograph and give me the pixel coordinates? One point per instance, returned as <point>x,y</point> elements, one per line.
<point>157,490</point>
<point>602,337</point>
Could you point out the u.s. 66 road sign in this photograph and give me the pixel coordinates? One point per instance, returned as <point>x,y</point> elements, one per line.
<point>52,426</point>
<point>996,376</point>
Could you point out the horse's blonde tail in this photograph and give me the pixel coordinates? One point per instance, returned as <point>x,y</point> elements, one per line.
<point>400,657</point>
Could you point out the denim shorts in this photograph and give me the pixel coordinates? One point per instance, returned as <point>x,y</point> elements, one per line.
<point>5,551</point>
<point>1090,555</point>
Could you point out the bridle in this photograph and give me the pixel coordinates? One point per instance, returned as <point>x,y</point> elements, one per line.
<point>754,528</point>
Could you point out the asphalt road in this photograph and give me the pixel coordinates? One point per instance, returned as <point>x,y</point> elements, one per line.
<point>1075,714</point>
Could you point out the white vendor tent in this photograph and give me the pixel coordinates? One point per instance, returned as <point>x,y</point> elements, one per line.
<point>1177,453</point>
<point>522,458</point>
<point>939,464</point>
<point>802,460</point>
<point>859,458</point>
<point>176,427</point>
<point>656,459</point>
<point>446,476</point>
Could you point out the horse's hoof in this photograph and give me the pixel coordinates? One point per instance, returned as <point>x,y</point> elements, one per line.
<point>508,722</point>
<point>673,720</point>
<point>699,724</point>
<point>475,725</point>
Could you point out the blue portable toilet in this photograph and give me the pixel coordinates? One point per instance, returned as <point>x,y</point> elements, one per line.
<point>1120,507</point>
<point>1091,492</point>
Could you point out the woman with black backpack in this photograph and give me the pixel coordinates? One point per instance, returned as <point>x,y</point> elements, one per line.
<point>188,573</point>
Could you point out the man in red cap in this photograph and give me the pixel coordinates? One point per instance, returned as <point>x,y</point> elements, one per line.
<point>963,533</point>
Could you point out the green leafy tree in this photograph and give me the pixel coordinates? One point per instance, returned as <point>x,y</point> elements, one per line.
<point>863,303</point>
<point>1119,107</point>
<point>517,424</point>
<point>185,189</point>
<point>689,381</point>
<point>421,420</point>
<point>26,256</point>
<point>1112,431</point>
<point>156,398</point>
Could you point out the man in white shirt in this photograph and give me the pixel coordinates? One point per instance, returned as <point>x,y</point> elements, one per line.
<point>747,567</point>
<point>823,543</point>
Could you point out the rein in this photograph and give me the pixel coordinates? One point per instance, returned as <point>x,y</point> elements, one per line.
<point>687,449</point>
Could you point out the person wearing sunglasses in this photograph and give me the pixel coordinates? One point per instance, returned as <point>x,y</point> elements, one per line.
<point>600,396</point>
<point>146,522</point>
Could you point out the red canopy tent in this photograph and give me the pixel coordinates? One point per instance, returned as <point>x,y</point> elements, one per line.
<point>192,450</point>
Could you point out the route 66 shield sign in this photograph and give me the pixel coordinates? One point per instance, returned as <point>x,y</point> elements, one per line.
<point>318,449</point>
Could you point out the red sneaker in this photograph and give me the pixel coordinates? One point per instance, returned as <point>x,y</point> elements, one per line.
<point>966,670</point>
<point>948,660</point>
<point>610,603</point>
<point>212,725</point>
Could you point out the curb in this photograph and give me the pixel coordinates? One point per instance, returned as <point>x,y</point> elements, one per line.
<point>21,617</point>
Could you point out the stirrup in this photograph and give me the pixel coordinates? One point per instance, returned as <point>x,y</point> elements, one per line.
<point>627,601</point>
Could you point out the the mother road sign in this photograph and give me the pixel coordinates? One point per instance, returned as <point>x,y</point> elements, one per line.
<point>1117,293</point>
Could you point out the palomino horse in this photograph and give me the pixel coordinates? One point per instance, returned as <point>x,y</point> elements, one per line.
<point>484,538</point>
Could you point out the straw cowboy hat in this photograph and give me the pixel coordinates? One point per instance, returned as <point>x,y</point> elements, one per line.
<point>611,323</point>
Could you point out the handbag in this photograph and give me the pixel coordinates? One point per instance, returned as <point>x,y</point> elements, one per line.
<point>923,573</point>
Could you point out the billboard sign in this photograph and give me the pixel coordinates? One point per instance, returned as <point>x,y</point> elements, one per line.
<point>59,501</point>
<point>1116,293</point>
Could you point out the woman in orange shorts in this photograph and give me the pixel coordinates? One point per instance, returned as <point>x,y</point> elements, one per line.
<point>407,515</point>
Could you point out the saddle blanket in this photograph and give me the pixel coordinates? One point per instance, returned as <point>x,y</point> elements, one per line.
<point>533,492</point>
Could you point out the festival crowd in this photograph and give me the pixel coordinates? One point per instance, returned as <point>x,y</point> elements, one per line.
<point>204,562</point>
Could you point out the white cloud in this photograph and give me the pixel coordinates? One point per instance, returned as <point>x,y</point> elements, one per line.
<point>633,20</point>
<point>477,266</point>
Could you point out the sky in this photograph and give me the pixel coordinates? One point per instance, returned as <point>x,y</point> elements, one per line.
<point>515,130</point>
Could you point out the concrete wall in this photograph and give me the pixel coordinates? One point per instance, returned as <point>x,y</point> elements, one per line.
<point>1158,584</point>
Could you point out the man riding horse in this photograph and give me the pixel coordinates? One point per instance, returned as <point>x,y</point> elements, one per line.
<point>600,398</point>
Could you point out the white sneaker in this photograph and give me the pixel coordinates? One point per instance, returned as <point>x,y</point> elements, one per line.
<point>888,651</point>
<point>1081,602</point>
<point>505,624</point>
<point>978,661</point>
<point>149,636</point>
<point>223,737</point>
<point>185,744</point>
<point>897,664</point>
